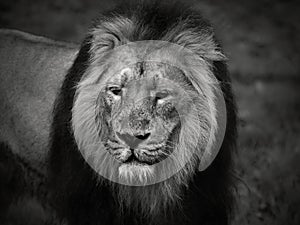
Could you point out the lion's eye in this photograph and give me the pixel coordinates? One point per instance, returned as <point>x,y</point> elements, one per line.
<point>115,90</point>
<point>161,95</point>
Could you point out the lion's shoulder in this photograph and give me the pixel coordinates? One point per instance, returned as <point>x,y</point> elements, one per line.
<point>32,69</point>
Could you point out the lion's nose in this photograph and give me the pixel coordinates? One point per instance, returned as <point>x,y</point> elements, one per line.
<point>133,140</point>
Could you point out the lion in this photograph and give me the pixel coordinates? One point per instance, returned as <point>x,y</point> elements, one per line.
<point>144,120</point>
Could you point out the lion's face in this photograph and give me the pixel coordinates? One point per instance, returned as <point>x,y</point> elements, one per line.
<point>142,115</point>
<point>143,105</point>
<point>146,112</point>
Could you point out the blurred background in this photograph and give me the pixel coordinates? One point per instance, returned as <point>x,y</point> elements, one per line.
<point>262,41</point>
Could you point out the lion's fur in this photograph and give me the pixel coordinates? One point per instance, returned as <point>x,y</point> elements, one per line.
<point>204,197</point>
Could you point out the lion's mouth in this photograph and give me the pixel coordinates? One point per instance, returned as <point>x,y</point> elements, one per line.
<point>145,156</point>
<point>133,159</point>
<point>148,155</point>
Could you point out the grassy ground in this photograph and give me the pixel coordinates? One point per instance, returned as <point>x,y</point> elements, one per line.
<point>261,39</point>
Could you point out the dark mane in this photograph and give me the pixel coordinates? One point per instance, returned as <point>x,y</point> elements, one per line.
<point>156,17</point>
<point>76,194</point>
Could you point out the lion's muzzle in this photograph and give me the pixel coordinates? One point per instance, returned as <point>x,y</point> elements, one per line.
<point>140,150</point>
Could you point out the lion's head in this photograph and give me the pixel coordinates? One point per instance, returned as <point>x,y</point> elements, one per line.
<point>146,113</point>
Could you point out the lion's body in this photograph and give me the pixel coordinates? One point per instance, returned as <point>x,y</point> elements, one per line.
<point>76,137</point>
<point>32,69</point>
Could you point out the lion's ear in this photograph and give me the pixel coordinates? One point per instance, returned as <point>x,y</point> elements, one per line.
<point>110,34</point>
<point>216,135</point>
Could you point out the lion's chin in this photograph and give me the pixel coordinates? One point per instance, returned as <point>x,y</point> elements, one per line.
<point>136,173</point>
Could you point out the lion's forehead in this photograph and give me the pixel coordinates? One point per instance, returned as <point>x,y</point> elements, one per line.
<point>153,72</point>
